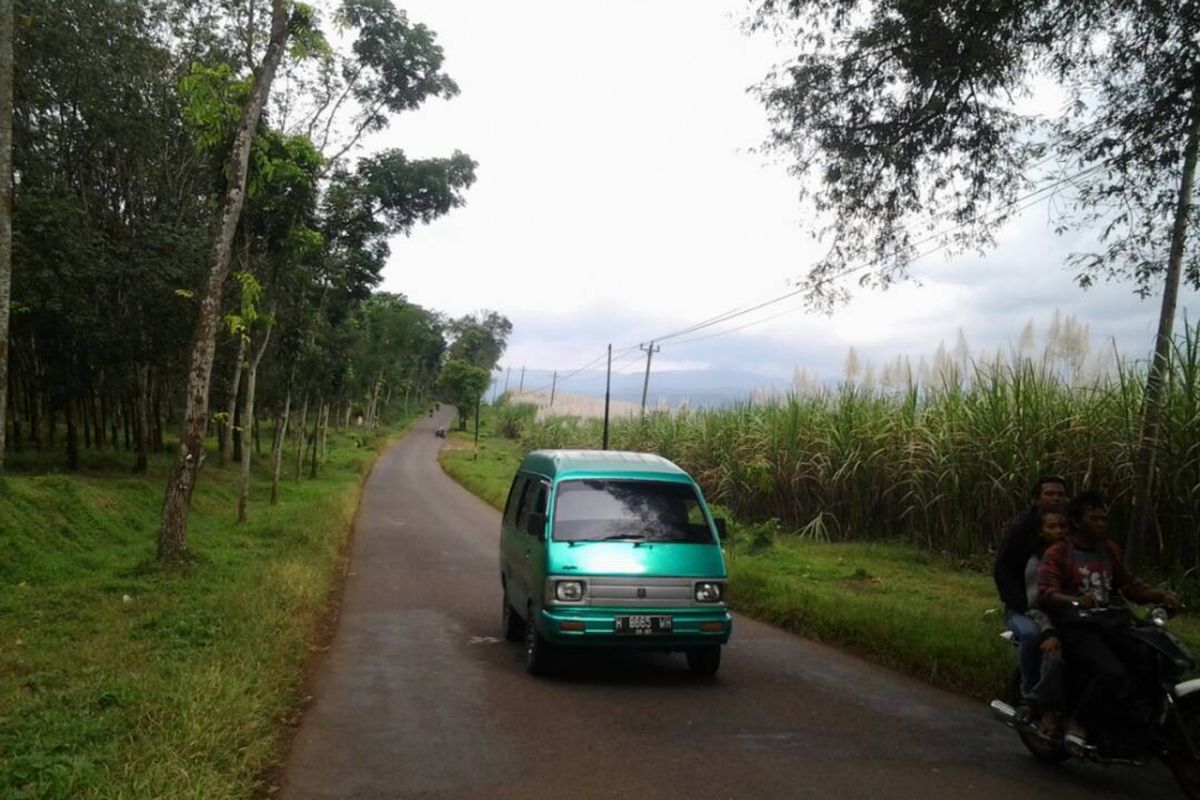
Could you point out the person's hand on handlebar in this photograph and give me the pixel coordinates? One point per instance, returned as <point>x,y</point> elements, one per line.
<point>1087,601</point>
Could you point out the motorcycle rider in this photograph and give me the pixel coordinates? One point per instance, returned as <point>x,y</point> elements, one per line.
<point>1084,572</point>
<point>1020,543</point>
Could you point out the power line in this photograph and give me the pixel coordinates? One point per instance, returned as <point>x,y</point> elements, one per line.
<point>842,274</point>
<point>568,375</point>
<point>1033,197</point>
<point>742,311</point>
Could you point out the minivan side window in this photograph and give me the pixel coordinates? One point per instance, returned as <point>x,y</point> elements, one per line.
<point>534,502</point>
<point>514,499</point>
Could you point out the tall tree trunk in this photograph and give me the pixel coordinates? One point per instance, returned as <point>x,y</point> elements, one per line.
<point>370,406</point>
<point>300,437</point>
<point>248,414</point>
<point>156,432</point>
<point>141,422</point>
<point>87,422</point>
<point>325,432</point>
<point>97,409</point>
<point>239,434</point>
<point>312,472</point>
<point>1143,510</point>
<point>6,198</point>
<point>16,418</point>
<point>72,436</point>
<point>375,410</point>
<point>172,535</point>
<point>280,441</point>
<point>113,420</point>
<point>35,420</point>
<point>231,403</point>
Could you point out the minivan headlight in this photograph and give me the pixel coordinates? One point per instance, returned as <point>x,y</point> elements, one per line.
<point>568,591</point>
<point>709,592</point>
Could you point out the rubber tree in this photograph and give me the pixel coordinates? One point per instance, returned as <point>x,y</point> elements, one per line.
<point>6,126</point>
<point>181,480</point>
<point>462,385</point>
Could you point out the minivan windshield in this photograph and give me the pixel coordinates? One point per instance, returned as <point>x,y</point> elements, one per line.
<point>629,510</point>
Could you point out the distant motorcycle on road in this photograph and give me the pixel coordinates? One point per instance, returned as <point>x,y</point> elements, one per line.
<point>440,433</point>
<point>1162,720</point>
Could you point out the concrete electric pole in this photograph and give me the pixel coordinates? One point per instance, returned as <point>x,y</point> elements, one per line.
<point>649,351</point>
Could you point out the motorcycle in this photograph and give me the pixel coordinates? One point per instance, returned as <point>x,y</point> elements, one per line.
<point>1162,719</point>
<point>440,433</point>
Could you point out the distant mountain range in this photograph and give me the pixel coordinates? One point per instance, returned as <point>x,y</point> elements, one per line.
<point>695,387</point>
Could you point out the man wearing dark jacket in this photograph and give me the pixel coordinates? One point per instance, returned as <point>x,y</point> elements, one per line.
<point>1020,543</point>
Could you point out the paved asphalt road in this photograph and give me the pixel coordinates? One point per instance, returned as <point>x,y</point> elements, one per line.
<point>419,697</point>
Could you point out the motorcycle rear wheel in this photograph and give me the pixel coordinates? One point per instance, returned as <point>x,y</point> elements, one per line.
<point>1047,751</point>
<point>1187,771</point>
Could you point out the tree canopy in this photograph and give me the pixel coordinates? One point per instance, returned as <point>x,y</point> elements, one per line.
<point>126,114</point>
<point>909,123</point>
<point>479,338</point>
<point>462,384</point>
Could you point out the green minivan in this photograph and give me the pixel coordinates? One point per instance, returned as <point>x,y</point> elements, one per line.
<point>609,549</point>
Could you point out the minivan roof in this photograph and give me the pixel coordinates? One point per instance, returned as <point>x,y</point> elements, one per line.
<point>599,463</point>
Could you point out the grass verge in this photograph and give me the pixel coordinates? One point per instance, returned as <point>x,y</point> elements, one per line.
<point>119,678</point>
<point>893,604</point>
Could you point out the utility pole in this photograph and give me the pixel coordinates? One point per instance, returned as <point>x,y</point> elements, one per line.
<point>553,386</point>
<point>607,393</point>
<point>649,351</point>
<point>521,388</point>
<point>507,372</point>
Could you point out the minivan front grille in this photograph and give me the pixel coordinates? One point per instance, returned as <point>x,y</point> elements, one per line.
<point>634,592</point>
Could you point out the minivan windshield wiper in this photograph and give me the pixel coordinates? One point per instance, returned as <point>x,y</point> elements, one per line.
<point>637,539</point>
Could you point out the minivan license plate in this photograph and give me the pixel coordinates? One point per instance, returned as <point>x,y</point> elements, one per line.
<point>643,624</point>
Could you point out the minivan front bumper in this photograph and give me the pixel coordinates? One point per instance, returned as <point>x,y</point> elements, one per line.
<point>593,626</point>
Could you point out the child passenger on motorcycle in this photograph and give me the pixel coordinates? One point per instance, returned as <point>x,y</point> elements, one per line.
<point>1021,541</point>
<point>1085,571</point>
<point>1044,698</point>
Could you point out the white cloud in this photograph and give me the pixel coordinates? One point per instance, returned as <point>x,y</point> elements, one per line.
<point>618,199</point>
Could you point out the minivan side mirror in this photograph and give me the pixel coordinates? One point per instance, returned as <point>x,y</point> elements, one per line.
<point>536,525</point>
<point>720,523</point>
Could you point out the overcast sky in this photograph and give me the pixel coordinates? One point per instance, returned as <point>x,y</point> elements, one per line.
<point>619,198</point>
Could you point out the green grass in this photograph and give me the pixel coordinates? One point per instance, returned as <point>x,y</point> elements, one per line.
<point>890,603</point>
<point>488,472</point>
<point>119,678</point>
<point>896,604</point>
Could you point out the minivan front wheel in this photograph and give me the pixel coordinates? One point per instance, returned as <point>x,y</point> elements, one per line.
<point>704,661</point>
<point>538,652</point>
<point>514,626</point>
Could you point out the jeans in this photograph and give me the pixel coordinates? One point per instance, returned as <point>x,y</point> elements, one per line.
<point>1030,652</point>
